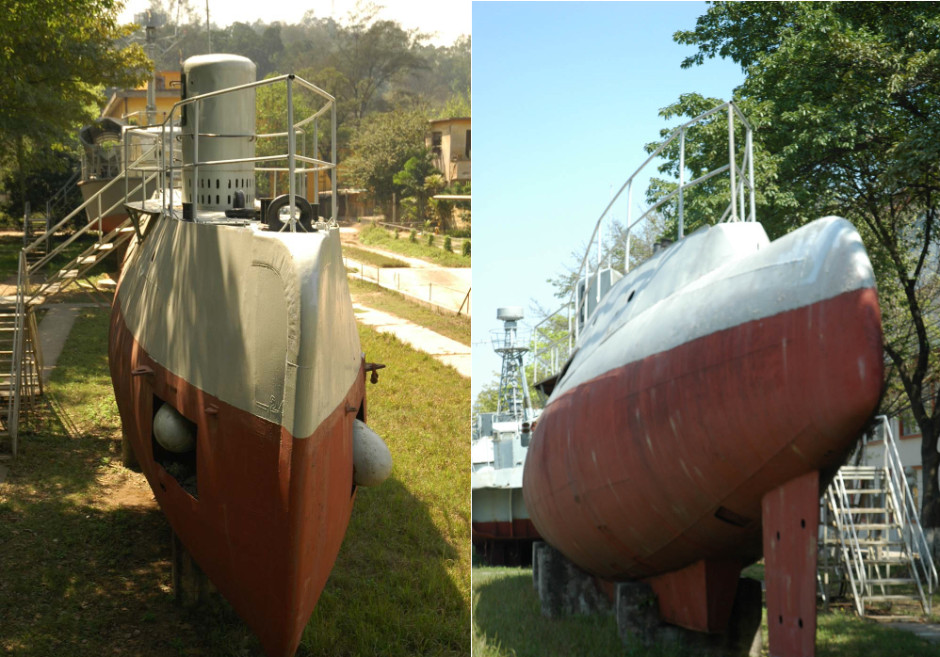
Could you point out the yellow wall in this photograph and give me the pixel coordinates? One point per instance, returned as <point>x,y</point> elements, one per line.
<point>132,103</point>
<point>453,160</point>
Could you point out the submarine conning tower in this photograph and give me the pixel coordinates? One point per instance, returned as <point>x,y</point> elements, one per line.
<point>225,125</point>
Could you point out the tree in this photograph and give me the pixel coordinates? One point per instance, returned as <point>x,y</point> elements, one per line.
<point>381,146</point>
<point>419,180</point>
<point>54,59</point>
<point>843,98</point>
<point>370,54</point>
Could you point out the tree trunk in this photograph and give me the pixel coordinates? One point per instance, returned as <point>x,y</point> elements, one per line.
<point>21,167</point>
<point>930,487</point>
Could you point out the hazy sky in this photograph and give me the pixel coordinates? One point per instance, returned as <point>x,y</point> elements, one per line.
<point>565,95</point>
<point>447,18</point>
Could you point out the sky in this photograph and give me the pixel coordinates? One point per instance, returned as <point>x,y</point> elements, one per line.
<point>565,95</point>
<point>448,19</point>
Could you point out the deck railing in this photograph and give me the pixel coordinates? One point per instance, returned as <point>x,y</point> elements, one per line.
<point>555,338</point>
<point>294,161</point>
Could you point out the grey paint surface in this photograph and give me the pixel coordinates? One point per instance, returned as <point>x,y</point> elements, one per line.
<point>261,320</point>
<point>729,267</point>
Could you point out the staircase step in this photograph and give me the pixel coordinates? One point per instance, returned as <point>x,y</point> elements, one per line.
<point>891,581</point>
<point>891,598</point>
<point>877,526</point>
<point>103,246</point>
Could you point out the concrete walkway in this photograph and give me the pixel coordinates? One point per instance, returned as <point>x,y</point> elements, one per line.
<point>927,631</point>
<point>450,352</point>
<point>54,330</point>
<point>443,287</point>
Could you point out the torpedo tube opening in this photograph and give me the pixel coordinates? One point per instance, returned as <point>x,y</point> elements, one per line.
<point>173,443</point>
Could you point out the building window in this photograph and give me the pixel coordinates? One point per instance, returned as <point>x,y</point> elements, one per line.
<point>436,140</point>
<point>467,146</point>
<point>909,424</point>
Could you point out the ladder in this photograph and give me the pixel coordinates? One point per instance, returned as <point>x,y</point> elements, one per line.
<point>24,384</point>
<point>872,547</point>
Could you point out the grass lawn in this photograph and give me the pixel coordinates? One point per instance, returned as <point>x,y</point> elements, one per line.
<point>507,622</point>
<point>455,327</point>
<point>85,552</point>
<point>382,238</point>
<point>371,258</point>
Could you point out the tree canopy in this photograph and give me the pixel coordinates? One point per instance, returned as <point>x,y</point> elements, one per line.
<point>843,98</point>
<point>382,146</point>
<point>55,58</point>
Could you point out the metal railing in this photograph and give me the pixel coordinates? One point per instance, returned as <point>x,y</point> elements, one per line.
<point>551,351</point>
<point>920,561</point>
<point>158,163</point>
<point>171,167</point>
<point>16,362</point>
<point>900,528</point>
<point>851,551</point>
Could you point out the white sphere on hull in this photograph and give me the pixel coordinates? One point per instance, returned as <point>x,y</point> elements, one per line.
<point>172,431</point>
<point>372,462</point>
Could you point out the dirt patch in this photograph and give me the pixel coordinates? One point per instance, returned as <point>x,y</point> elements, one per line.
<point>120,487</point>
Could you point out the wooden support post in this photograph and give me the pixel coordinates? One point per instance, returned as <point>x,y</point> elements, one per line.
<point>191,586</point>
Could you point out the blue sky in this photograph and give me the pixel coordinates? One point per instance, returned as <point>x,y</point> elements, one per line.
<point>565,95</point>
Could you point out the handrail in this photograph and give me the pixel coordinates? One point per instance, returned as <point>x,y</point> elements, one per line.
<point>87,227</point>
<point>848,541</point>
<point>741,181</point>
<point>16,367</point>
<point>291,156</point>
<point>923,567</point>
<point>92,199</point>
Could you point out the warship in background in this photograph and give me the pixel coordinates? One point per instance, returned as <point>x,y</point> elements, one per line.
<point>501,529</point>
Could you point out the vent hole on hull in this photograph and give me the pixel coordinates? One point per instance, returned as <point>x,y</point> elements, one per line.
<point>173,441</point>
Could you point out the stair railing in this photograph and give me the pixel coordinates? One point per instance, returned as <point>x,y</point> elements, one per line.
<point>93,224</point>
<point>16,365</point>
<point>923,570</point>
<point>854,564</point>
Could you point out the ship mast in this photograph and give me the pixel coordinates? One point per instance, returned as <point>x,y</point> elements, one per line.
<point>513,401</point>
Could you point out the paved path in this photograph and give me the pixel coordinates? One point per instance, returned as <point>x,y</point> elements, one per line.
<point>450,352</point>
<point>927,631</point>
<point>54,330</point>
<point>444,287</point>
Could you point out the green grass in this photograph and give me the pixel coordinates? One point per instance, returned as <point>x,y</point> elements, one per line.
<point>380,237</point>
<point>371,258</point>
<point>85,553</point>
<point>507,622</point>
<point>455,327</point>
<point>841,634</point>
<point>401,585</point>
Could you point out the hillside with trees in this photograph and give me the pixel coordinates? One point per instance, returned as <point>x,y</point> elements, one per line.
<point>382,75</point>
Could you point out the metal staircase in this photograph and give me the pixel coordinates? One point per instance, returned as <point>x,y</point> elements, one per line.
<point>20,354</point>
<point>872,548</point>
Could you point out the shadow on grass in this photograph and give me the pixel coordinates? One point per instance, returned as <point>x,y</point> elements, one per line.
<point>84,573</point>
<point>81,577</point>
<point>391,591</point>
